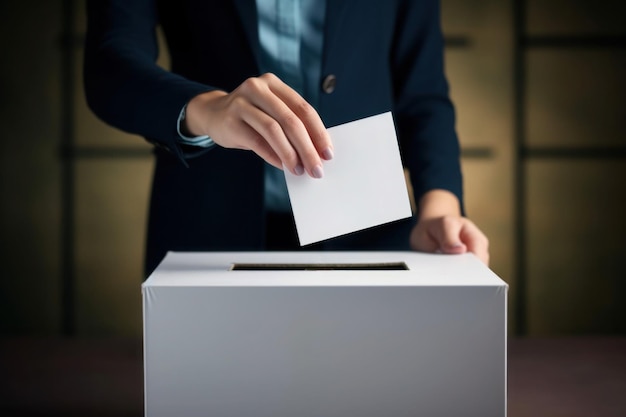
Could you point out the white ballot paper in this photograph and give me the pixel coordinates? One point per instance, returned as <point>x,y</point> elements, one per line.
<point>363,185</point>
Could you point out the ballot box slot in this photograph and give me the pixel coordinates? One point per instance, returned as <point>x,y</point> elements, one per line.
<point>378,266</point>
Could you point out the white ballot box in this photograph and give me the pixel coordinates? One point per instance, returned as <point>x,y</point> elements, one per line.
<point>324,334</point>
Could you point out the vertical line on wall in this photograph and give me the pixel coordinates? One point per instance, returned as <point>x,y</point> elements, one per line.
<point>68,275</point>
<point>519,168</point>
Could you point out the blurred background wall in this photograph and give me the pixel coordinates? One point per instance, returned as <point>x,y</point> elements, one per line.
<point>539,90</point>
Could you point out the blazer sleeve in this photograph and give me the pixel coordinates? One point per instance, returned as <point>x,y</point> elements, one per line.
<point>123,84</point>
<point>424,114</point>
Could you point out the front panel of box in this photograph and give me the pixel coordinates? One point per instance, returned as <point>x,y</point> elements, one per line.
<point>325,351</point>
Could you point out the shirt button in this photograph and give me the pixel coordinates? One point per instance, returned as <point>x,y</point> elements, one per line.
<point>329,83</point>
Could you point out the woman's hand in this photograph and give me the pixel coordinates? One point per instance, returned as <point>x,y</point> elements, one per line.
<point>442,229</point>
<point>268,117</point>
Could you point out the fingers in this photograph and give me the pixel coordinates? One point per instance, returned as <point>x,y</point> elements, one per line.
<point>440,234</point>
<point>476,241</point>
<point>306,113</point>
<point>288,123</point>
<point>260,146</point>
<point>450,235</point>
<point>267,133</point>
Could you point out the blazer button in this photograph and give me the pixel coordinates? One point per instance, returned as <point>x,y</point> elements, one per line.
<point>329,83</point>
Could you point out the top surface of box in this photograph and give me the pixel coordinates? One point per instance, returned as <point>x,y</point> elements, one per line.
<point>321,269</point>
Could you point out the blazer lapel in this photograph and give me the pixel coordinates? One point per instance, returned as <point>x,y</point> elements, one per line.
<point>334,23</point>
<point>249,19</point>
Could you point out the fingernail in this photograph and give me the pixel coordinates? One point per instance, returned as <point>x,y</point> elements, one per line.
<point>454,248</point>
<point>317,172</point>
<point>298,169</point>
<point>327,154</point>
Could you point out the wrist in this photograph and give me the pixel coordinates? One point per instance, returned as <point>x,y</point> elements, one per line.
<point>198,113</point>
<point>438,203</point>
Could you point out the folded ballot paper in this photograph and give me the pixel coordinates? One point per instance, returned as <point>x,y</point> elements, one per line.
<point>363,185</point>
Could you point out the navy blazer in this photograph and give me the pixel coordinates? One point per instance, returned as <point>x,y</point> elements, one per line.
<point>385,55</point>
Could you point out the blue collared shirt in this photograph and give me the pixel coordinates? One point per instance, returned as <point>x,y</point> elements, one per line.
<point>291,35</point>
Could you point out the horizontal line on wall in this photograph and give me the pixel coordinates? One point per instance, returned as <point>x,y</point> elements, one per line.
<point>457,41</point>
<point>573,41</point>
<point>94,152</point>
<point>477,153</point>
<point>575,153</point>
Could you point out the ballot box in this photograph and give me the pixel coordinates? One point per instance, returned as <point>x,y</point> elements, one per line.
<point>324,334</point>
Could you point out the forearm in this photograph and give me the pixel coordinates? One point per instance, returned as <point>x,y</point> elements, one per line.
<point>423,112</point>
<point>123,84</point>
